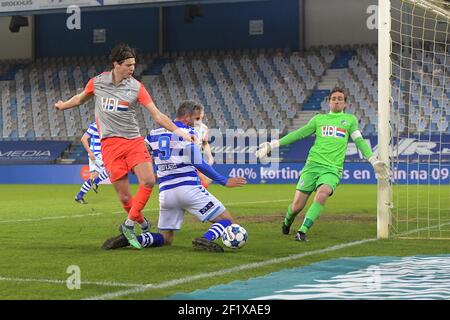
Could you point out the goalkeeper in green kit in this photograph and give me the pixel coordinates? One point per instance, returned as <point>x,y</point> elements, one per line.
<point>323,168</point>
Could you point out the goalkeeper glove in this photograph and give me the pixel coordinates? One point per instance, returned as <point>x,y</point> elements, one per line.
<point>380,168</point>
<point>265,148</point>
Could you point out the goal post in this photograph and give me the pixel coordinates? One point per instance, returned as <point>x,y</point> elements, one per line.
<point>384,93</point>
<point>413,118</point>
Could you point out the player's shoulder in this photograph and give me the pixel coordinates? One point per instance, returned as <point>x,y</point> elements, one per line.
<point>136,81</point>
<point>185,127</point>
<point>155,134</point>
<point>350,117</point>
<point>319,116</point>
<point>158,131</point>
<point>102,77</point>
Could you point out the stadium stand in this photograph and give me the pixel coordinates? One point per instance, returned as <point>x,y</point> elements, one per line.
<point>262,89</point>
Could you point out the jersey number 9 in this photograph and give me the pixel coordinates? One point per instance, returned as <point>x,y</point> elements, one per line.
<point>164,148</point>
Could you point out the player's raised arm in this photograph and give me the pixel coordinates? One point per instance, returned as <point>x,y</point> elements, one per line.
<point>77,99</point>
<point>207,150</point>
<point>303,132</point>
<point>200,164</point>
<point>380,168</point>
<point>159,117</point>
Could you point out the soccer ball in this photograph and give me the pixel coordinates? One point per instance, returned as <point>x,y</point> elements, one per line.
<point>234,236</point>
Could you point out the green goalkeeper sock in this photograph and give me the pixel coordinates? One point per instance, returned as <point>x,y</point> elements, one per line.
<point>313,213</point>
<point>290,216</point>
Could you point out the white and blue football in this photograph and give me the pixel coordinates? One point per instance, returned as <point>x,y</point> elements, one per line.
<point>234,236</point>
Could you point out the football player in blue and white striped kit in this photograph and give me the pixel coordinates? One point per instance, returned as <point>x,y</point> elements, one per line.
<point>180,189</point>
<point>97,170</point>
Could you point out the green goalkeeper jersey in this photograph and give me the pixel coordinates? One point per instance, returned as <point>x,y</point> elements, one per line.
<point>332,131</point>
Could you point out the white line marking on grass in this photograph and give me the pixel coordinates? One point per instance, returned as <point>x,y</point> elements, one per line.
<point>256,202</point>
<point>222,272</point>
<point>53,218</point>
<point>97,283</point>
<point>116,212</point>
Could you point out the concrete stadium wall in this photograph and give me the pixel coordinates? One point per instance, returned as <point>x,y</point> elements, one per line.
<point>222,26</point>
<point>16,45</point>
<point>337,22</point>
<point>226,26</point>
<point>138,27</point>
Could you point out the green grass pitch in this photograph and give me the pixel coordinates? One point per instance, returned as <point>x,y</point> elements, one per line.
<point>44,231</point>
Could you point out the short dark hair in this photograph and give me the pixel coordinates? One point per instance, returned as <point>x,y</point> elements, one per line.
<point>338,90</point>
<point>121,52</point>
<point>188,107</point>
<point>198,107</point>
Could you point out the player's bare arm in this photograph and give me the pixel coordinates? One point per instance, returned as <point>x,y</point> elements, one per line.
<point>75,101</point>
<point>85,143</point>
<point>164,121</point>
<point>208,154</point>
<point>236,182</point>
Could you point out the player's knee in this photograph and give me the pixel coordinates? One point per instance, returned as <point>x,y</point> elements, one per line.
<point>125,198</point>
<point>296,207</point>
<point>226,215</point>
<point>323,193</point>
<point>148,182</point>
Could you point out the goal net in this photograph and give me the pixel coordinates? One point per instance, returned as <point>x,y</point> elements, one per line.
<point>418,120</point>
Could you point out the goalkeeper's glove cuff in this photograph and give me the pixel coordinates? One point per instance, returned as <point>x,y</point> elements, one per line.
<point>265,148</point>
<point>274,144</point>
<point>381,169</point>
<point>372,160</point>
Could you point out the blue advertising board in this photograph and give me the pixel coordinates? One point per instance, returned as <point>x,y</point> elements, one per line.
<point>354,173</point>
<point>21,152</point>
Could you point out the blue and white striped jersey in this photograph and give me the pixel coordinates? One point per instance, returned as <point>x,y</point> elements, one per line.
<point>94,137</point>
<point>174,166</point>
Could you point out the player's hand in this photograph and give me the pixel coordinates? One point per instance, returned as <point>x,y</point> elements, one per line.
<point>59,105</point>
<point>92,156</point>
<point>235,182</point>
<point>381,169</point>
<point>186,136</point>
<point>263,150</point>
<point>210,161</point>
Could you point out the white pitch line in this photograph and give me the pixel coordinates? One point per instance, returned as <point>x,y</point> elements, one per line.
<point>116,212</point>
<point>52,281</point>
<point>53,218</point>
<point>255,202</point>
<point>249,266</point>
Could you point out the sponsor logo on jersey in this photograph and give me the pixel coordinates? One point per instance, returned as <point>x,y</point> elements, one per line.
<point>111,104</point>
<point>332,131</point>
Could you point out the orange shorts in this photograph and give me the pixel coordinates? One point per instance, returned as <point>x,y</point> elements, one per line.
<point>120,155</point>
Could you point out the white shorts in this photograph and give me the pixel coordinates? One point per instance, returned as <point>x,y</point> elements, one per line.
<point>96,166</point>
<point>195,199</point>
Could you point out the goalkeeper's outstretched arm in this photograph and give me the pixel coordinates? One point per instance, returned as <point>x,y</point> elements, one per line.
<point>380,168</point>
<point>303,132</point>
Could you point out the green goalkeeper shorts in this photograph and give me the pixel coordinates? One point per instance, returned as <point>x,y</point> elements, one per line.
<point>314,175</point>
